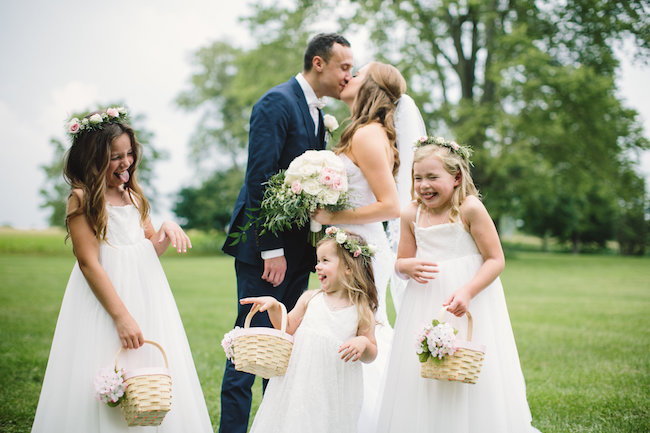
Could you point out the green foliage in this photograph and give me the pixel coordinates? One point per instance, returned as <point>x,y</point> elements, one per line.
<point>49,242</point>
<point>210,205</point>
<point>536,100</point>
<point>55,190</point>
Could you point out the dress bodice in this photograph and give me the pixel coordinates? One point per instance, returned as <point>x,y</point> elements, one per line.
<point>446,241</point>
<point>337,325</point>
<point>123,226</point>
<point>359,191</point>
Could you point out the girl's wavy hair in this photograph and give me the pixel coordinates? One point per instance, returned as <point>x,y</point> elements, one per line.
<point>359,283</point>
<point>376,102</point>
<point>454,164</point>
<point>85,167</point>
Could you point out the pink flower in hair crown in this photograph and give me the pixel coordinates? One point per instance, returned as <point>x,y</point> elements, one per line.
<point>73,126</point>
<point>97,121</point>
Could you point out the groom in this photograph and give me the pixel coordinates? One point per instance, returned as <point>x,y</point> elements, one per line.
<point>285,122</point>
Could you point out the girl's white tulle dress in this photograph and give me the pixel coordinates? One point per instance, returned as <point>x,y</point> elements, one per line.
<point>360,195</point>
<point>497,402</point>
<point>85,340</point>
<point>320,393</point>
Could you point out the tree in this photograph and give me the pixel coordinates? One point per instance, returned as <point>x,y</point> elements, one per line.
<point>530,85</point>
<point>55,190</point>
<point>210,205</point>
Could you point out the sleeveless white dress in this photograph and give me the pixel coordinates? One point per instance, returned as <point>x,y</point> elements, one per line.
<point>85,340</point>
<point>320,393</point>
<point>360,195</point>
<point>497,402</point>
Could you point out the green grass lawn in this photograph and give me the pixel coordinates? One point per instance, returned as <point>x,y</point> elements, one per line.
<point>581,324</point>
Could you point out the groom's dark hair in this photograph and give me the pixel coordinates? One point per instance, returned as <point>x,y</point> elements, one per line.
<point>321,45</point>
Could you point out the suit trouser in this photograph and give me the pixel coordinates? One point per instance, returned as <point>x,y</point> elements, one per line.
<point>236,393</point>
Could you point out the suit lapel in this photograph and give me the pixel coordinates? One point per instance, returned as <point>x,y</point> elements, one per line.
<point>306,116</point>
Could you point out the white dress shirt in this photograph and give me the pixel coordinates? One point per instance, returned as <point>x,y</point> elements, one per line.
<point>313,102</point>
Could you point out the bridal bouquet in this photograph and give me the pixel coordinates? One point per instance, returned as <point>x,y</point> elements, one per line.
<point>436,340</point>
<point>315,179</point>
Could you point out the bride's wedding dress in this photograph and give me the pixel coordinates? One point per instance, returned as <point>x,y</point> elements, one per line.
<point>360,195</point>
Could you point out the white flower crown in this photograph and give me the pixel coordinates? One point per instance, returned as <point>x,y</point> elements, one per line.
<point>96,121</point>
<point>352,245</point>
<point>463,151</point>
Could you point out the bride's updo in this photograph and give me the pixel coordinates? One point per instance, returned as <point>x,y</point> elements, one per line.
<point>376,102</point>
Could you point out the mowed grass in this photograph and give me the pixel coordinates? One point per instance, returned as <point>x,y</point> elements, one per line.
<point>581,324</point>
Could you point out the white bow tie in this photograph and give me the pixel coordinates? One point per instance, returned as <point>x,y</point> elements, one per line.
<point>318,103</point>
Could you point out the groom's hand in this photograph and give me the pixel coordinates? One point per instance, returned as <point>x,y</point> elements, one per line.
<point>274,270</point>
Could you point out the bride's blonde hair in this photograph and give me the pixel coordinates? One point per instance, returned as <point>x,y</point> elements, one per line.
<point>376,102</point>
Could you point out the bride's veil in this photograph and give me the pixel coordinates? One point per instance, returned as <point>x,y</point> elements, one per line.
<point>409,126</point>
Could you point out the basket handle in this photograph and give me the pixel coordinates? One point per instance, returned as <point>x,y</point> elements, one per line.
<point>149,342</point>
<point>470,322</point>
<point>255,309</point>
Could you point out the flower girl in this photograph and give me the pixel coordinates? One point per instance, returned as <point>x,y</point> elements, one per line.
<point>117,294</point>
<point>450,250</point>
<point>322,390</point>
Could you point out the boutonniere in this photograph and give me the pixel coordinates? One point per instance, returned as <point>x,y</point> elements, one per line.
<point>331,124</point>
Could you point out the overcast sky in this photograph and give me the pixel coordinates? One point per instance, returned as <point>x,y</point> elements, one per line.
<point>63,56</point>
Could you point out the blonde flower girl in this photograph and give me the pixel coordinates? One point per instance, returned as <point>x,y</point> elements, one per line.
<point>450,250</point>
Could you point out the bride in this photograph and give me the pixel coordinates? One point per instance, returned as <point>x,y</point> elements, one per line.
<point>372,157</point>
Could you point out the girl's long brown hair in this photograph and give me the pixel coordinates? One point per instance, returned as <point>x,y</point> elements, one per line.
<point>85,167</point>
<point>376,102</point>
<point>359,283</point>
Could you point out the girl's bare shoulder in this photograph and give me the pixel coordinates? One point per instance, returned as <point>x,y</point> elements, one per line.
<point>409,211</point>
<point>75,201</point>
<point>472,207</point>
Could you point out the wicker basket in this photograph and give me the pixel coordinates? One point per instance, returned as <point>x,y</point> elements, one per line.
<point>148,394</point>
<point>262,351</point>
<point>463,366</point>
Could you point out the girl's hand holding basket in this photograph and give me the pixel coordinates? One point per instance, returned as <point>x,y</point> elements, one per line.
<point>443,356</point>
<point>260,350</point>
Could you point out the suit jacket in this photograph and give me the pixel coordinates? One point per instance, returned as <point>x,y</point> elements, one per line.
<point>281,128</point>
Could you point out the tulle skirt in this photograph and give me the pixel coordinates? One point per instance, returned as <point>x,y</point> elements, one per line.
<point>495,404</point>
<point>374,372</point>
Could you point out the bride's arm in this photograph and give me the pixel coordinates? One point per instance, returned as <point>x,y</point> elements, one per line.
<point>370,150</point>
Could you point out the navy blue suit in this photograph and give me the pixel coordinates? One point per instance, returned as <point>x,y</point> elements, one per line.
<point>281,128</point>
